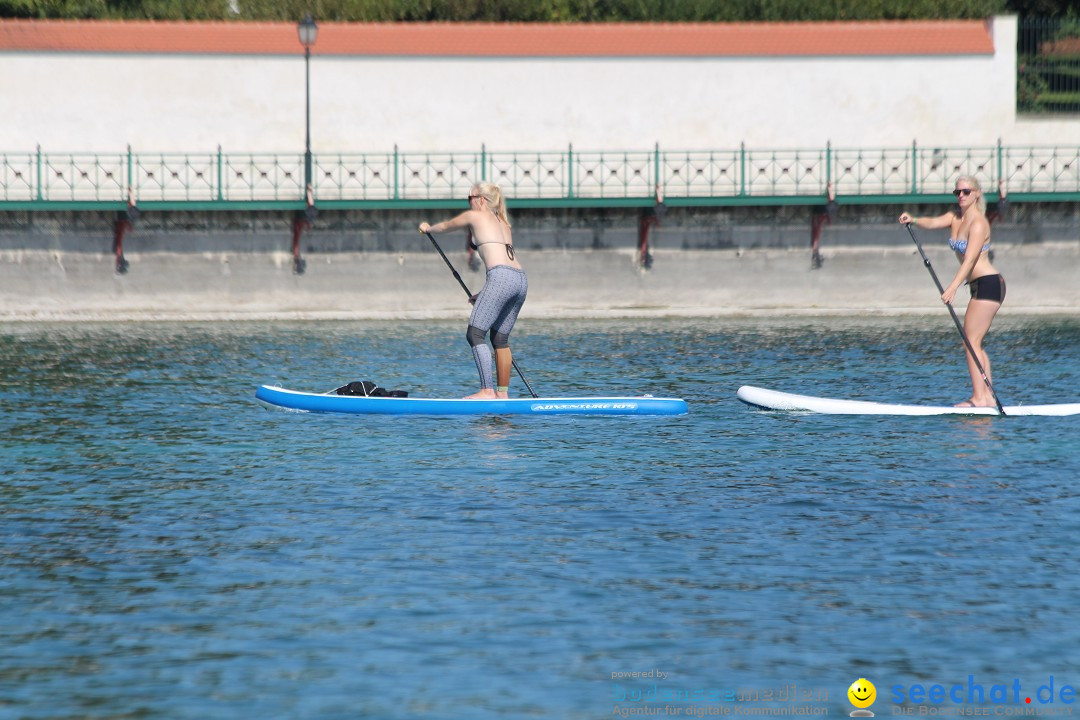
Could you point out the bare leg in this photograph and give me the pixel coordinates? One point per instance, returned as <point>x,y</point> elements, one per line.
<point>977,319</point>
<point>503,361</point>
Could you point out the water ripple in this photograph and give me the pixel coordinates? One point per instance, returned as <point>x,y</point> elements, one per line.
<point>171,548</point>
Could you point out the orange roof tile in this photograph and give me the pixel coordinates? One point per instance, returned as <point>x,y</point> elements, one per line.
<point>947,37</point>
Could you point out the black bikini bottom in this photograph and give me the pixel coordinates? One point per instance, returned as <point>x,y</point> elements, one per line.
<point>988,287</point>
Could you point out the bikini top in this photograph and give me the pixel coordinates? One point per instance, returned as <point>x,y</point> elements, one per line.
<point>509,248</point>
<point>960,246</point>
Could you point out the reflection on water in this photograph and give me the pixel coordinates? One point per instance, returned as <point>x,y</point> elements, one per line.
<point>171,548</point>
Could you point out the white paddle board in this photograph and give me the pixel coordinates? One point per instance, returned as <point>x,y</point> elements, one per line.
<point>775,400</point>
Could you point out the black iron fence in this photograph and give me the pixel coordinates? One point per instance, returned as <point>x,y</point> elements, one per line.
<point>1048,65</point>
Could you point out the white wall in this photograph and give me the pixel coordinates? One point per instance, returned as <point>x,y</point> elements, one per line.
<point>188,103</point>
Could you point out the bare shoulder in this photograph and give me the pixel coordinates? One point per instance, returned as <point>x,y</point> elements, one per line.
<point>465,219</point>
<point>981,224</point>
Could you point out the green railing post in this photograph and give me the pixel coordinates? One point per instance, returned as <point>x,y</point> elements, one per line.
<point>220,174</point>
<point>130,172</point>
<point>40,195</point>
<point>742,168</point>
<point>1000,167</point>
<point>914,168</point>
<point>483,162</point>
<point>656,170</point>
<point>828,164</point>
<point>397,193</point>
<point>570,170</point>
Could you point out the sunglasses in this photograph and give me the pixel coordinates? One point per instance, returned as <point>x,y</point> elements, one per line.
<point>474,197</point>
<point>962,191</point>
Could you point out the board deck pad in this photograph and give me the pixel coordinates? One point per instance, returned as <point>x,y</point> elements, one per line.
<point>323,402</point>
<point>776,400</point>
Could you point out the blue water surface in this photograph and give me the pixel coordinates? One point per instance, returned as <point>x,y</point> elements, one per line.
<point>171,548</point>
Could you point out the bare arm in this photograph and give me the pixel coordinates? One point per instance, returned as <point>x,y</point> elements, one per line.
<point>463,220</point>
<point>928,223</point>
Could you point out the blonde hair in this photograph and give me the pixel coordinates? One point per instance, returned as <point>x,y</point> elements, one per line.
<point>980,202</point>
<point>494,198</point>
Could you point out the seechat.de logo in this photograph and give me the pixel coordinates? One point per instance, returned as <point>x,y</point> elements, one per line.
<point>862,695</point>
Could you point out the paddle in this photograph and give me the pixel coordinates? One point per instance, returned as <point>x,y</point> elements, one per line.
<point>959,327</point>
<point>467,292</point>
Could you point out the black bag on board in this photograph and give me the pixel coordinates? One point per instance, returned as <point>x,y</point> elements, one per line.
<point>366,388</point>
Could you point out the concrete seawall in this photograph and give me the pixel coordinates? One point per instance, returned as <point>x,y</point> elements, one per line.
<point>64,285</point>
<point>582,262</point>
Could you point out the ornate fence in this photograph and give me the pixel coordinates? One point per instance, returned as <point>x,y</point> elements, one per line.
<point>38,180</point>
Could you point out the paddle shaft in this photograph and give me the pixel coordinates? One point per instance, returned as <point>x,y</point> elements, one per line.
<point>469,293</point>
<point>956,319</point>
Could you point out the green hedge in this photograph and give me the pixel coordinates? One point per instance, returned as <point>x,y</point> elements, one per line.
<point>517,10</point>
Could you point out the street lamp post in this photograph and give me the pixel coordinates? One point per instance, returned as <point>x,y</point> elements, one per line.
<point>307,31</point>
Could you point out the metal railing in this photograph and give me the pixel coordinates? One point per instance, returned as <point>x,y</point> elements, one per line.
<point>221,180</point>
<point>1048,65</point>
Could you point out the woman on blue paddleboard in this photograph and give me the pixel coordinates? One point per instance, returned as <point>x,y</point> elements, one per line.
<point>496,306</point>
<point>969,238</point>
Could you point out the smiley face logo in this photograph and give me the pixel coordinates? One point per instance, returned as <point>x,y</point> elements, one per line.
<point>862,694</point>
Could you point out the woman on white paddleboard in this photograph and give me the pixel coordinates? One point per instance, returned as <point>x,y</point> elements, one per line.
<point>969,238</point>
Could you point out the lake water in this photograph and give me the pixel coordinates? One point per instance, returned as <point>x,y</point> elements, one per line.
<point>171,548</point>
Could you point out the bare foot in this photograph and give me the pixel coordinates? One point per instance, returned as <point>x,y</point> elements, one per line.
<point>502,395</point>
<point>974,403</point>
<point>484,394</point>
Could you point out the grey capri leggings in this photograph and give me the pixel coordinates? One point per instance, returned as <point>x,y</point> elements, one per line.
<point>496,309</point>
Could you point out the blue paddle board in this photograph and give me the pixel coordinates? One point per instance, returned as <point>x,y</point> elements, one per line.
<point>319,402</point>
